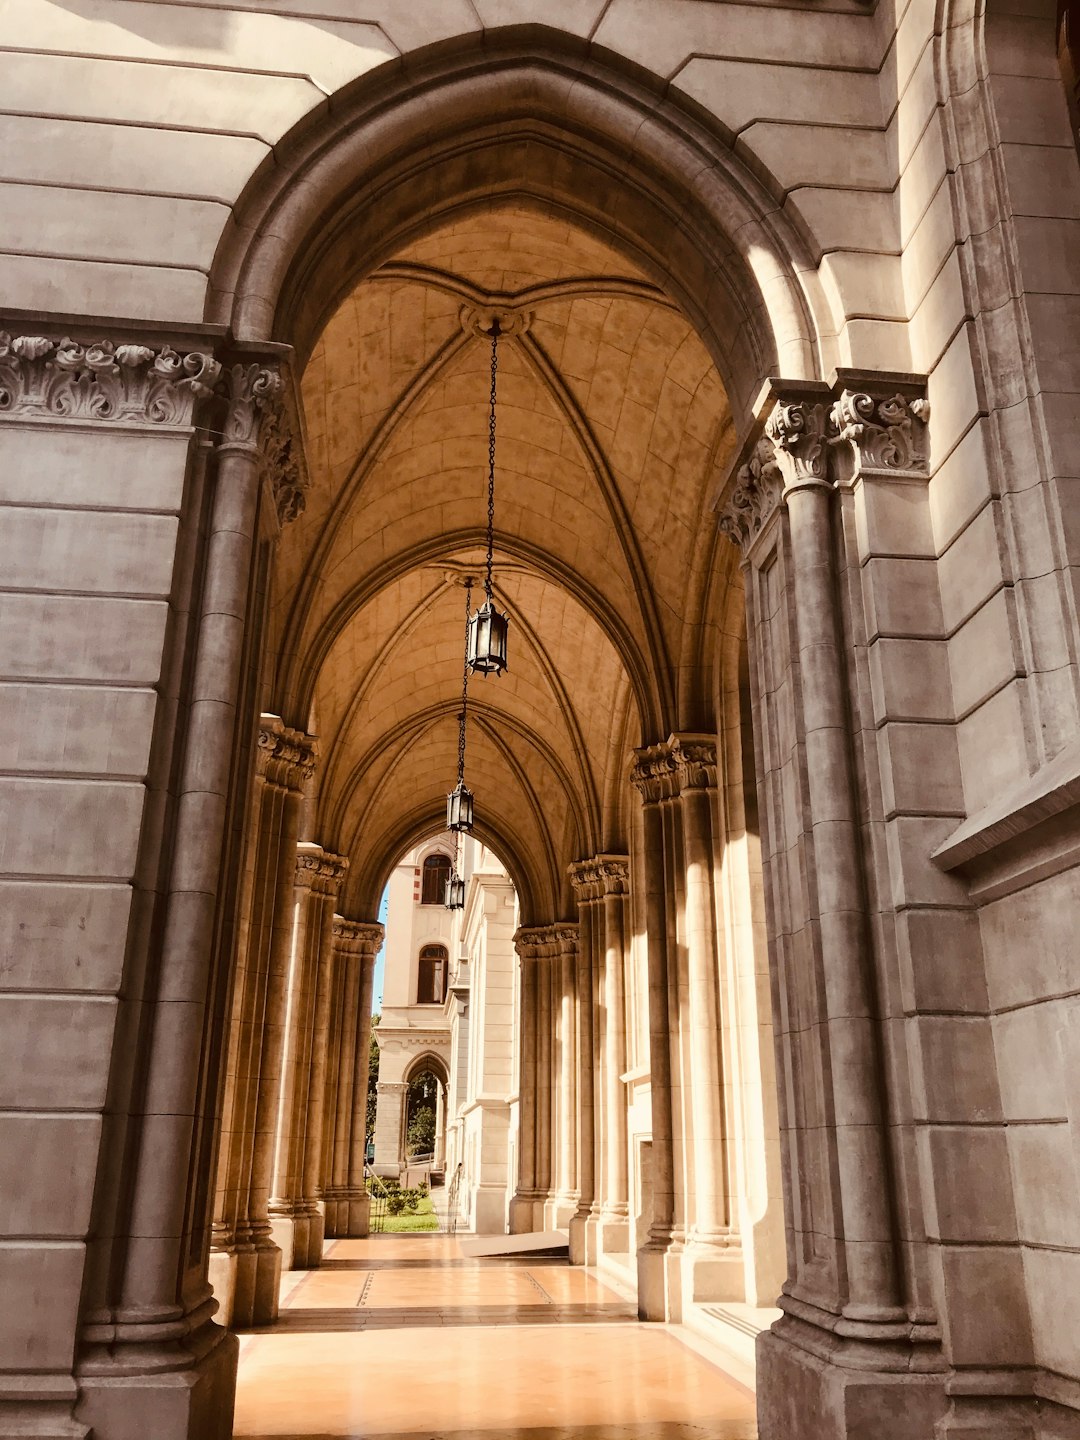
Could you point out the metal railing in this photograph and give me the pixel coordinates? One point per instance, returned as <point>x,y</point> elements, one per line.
<point>378,1195</point>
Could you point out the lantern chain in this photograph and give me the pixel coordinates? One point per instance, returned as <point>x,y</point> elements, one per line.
<point>464,686</point>
<point>491,460</point>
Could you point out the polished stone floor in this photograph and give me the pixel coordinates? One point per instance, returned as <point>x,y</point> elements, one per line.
<point>406,1337</point>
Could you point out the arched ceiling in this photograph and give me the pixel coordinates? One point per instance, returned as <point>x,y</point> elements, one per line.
<point>613,428</point>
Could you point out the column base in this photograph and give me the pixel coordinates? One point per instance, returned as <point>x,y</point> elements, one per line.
<point>712,1271</point>
<point>584,1238</point>
<point>489,1210</point>
<point>614,1235</point>
<point>299,1238</point>
<point>193,1403</point>
<point>523,1214</point>
<point>245,1284</point>
<point>559,1210</point>
<point>39,1407</point>
<point>348,1217</point>
<point>659,1287</point>
<point>804,1396</point>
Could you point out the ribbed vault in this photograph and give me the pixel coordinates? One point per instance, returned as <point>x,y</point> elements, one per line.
<point>613,427</point>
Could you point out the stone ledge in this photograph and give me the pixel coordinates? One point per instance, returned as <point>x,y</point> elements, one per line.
<point>1047,794</point>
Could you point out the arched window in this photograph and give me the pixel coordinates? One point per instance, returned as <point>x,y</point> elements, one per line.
<point>436,873</point>
<point>431,976</point>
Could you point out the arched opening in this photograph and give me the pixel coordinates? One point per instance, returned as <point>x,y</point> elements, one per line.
<point>433,970</point>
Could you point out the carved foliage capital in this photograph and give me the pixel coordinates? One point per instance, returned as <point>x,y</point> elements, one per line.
<point>284,757</point>
<point>681,762</point>
<point>138,384</point>
<point>319,869</point>
<point>357,937</point>
<point>547,942</point>
<point>250,391</point>
<point>758,488</point>
<point>281,460</point>
<point>600,876</point>
<point>796,432</point>
<point>886,433</point>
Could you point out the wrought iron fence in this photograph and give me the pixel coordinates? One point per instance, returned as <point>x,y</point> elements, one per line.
<point>453,1201</point>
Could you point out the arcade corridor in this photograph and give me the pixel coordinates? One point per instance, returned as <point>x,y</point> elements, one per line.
<point>384,1341</point>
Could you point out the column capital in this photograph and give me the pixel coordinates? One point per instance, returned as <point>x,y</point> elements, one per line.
<point>102,380</point>
<point>547,942</point>
<point>599,876</point>
<point>319,869</point>
<point>251,389</point>
<point>282,464</point>
<point>681,762</point>
<point>357,937</point>
<point>880,430</point>
<point>284,757</point>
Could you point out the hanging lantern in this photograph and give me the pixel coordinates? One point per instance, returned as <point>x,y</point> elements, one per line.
<point>486,647</point>
<point>455,892</point>
<point>459,808</point>
<point>487,640</point>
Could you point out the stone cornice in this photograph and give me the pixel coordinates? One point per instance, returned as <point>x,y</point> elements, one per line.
<point>357,937</point>
<point>599,876</point>
<point>320,869</point>
<point>284,757</point>
<point>41,377</point>
<point>547,942</point>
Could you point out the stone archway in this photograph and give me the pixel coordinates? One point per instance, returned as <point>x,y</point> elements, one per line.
<point>865,780</point>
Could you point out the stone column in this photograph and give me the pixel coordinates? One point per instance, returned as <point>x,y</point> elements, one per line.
<point>152,1360</point>
<point>356,943</point>
<point>523,1205</point>
<point>856,1339</point>
<point>714,1259</point>
<point>545,1079</point>
<point>587,883</point>
<point>658,1278</point>
<point>566,1078</point>
<point>296,1219</point>
<point>614,1196</point>
<point>245,1263</point>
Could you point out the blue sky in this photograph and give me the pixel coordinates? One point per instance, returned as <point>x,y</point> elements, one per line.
<point>380,959</point>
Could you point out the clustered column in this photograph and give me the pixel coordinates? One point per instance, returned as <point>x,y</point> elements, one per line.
<point>245,1262</point>
<point>345,1198</point>
<point>296,1218</point>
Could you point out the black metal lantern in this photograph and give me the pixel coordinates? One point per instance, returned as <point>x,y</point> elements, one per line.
<point>459,808</point>
<point>486,645</point>
<point>455,892</point>
<point>487,640</point>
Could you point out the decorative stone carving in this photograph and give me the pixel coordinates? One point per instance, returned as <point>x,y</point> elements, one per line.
<point>546,942</point>
<point>478,320</point>
<point>885,434</point>
<point>695,758</point>
<point>250,389</point>
<point>654,774</point>
<point>281,461</point>
<point>102,381</point>
<point>681,762</point>
<point>796,432</point>
<point>284,757</point>
<point>757,492</point>
<point>360,937</point>
<point>319,868</point>
<point>600,876</point>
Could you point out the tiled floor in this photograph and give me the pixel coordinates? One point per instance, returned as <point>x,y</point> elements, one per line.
<point>403,1338</point>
